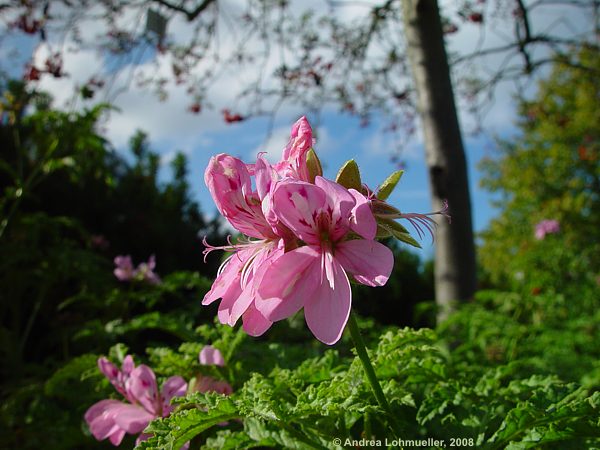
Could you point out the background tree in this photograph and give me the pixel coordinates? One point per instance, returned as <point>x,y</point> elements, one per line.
<point>550,171</point>
<point>455,250</point>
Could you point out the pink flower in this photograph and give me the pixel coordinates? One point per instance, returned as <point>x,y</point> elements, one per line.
<point>314,276</point>
<point>145,271</point>
<point>210,356</point>
<point>546,227</point>
<point>305,235</point>
<point>124,270</point>
<point>112,419</point>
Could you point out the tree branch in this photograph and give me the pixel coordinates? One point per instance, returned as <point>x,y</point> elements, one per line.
<point>191,15</point>
<point>524,40</point>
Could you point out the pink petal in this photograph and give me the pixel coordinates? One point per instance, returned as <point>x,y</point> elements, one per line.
<point>370,262</point>
<point>128,365</point>
<point>210,356</point>
<point>327,309</point>
<point>142,387</point>
<point>297,205</point>
<point>227,283</point>
<point>100,417</point>
<point>260,263</point>
<point>339,202</point>
<point>265,176</point>
<point>117,437</point>
<point>229,183</point>
<point>362,220</point>
<point>255,324</point>
<point>288,282</point>
<point>109,370</point>
<point>226,306</point>
<point>233,310</point>
<point>172,387</point>
<point>132,418</point>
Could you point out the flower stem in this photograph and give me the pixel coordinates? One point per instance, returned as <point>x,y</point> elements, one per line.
<point>361,351</point>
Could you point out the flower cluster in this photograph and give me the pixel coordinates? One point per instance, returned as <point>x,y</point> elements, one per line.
<point>124,270</point>
<point>548,226</point>
<point>143,403</point>
<point>305,236</point>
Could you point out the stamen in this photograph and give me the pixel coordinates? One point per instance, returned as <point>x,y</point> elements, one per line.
<point>420,221</point>
<point>240,245</point>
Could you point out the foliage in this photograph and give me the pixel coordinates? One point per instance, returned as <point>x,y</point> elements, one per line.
<point>550,171</point>
<point>434,394</point>
<point>68,205</point>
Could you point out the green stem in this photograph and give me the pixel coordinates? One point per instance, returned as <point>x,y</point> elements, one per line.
<point>361,351</point>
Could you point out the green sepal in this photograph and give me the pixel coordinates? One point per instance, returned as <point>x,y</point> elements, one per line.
<point>407,238</point>
<point>390,228</point>
<point>382,232</point>
<point>349,176</point>
<point>394,226</point>
<point>388,186</point>
<point>313,164</point>
<point>383,209</point>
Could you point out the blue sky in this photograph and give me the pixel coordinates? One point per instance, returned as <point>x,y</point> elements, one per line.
<point>339,137</point>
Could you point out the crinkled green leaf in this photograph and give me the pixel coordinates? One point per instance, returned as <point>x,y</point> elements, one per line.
<point>553,412</point>
<point>234,440</point>
<point>181,426</point>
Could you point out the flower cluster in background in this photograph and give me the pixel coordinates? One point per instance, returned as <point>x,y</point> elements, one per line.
<point>111,419</point>
<point>548,226</point>
<point>143,403</point>
<point>210,356</point>
<point>304,236</point>
<point>124,270</point>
